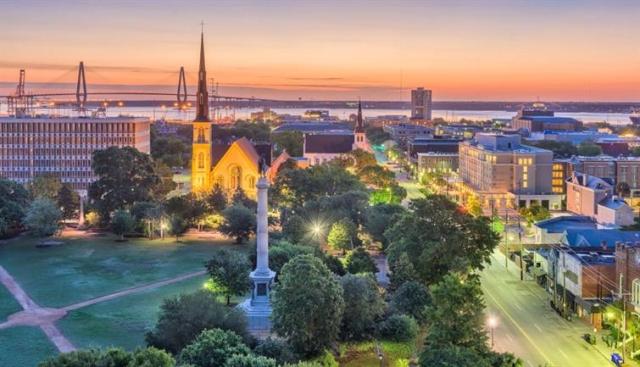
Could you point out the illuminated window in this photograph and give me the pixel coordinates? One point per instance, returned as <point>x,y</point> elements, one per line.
<point>635,292</point>
<point>201,160</point>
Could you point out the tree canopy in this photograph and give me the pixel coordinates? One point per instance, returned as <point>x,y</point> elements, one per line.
<point>43,217</point>
<point>229,270</point>
<point>213,348</point>
<point>183,317</point>
<point>307,305</point>
<point>239,222</point>
<point>363,305</point>
<point>439,237</point>
<point>125,176</point>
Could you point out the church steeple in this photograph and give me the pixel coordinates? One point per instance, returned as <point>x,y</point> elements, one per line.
<point>202,96</point>
<point>359,121</point>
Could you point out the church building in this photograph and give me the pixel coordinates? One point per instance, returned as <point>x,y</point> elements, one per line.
<point>321,147</point>
<point>232,166</point>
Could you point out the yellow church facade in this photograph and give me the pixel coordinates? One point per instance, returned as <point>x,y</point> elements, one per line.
<point>238,168</point>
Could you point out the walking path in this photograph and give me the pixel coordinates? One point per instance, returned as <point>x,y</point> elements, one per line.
<point>45,318</point>
<point>34,314</point>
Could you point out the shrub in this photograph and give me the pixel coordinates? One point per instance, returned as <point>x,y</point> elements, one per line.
<point>240,360</point>
<point>276,349</point>
<point>212,348</point>
<point>359,261</point>
<point>399,328</point>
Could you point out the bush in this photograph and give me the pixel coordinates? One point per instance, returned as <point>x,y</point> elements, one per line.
<point>399,328</point>
<point>182,318</point>
<point>359,261</point>
<point>363,305</point>
<point>250,361</point>
<point>276,349</point>
<point>212,348</point>
<point>112,357</point>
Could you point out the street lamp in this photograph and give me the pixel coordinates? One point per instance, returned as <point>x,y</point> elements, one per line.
<point>163,226</point>
<point>493,322</point>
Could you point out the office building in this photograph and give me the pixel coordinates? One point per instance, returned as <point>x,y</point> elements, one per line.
<point>502,172</point>
<point>404,133</point>
<point>421,104</point>
<point>593,197</point>
<point>63,146</point>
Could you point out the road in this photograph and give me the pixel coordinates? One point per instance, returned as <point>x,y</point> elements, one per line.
<point>412,187</point>
<point>529,328</point>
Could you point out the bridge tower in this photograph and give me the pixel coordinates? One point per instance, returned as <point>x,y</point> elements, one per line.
<point>81,89</point>
<point>181,95</point>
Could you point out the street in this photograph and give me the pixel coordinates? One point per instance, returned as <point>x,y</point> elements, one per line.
<point>528,327</point>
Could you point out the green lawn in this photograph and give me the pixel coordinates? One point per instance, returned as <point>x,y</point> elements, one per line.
<point>82,269</point>
<point>365,354</point>
<point>24,346</point>
<point>8,304</point>
<point>123,321</point>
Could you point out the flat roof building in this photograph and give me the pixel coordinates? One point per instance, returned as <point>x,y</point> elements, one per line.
<point>421,104</point>
<point>504,172</point>
<point>63,146</point>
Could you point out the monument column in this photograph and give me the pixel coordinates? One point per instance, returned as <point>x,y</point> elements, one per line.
<point>258,306</point>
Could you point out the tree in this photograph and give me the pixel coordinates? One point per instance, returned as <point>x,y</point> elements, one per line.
<point>363,305</point>
<point>276,349</point>
<point>534,213</point>
<point>377,176</point>
<point>239,222</point>
<point>379,218</point>
<point>439,237</point>
<point>412,298</point>
<point>165,184</point>
<point>635,152</point>
<point>341,234</point>
<point>281,252</point>
<point>589,149</point>
<point>183,317</point>
<point>399,328</point>
<point>217,199</point>
<point>213,348</point>
<point>43,217</point>
<point>177,226</point>
<point>377,136</point>
<point>291,141</point>
<point>307,305</point>
<point>14,199</point>
<point>230,271</point>
<point>452,355</point>
<point>125,176</point>
<point>68,201</point>
<point>45,185</point>
<point>464,327</point>
<point>361,159</point>
<point>359,261</point>
<point>112,357</point>
<point>240,360</point>
<point>402,271</point>
<point>240,198</point>
<point>121,223</point>
<point>188,207</point>
<point>560,149</point>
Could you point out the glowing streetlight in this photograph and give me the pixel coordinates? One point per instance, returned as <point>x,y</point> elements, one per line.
<point>163,226</point>
<point>492,322</point>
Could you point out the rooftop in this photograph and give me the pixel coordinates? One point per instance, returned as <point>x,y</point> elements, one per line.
<point>596,238</point>
<point>309,127</point>
<point>560,224</point>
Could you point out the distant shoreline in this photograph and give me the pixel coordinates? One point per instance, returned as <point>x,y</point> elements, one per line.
<point>588,107</point>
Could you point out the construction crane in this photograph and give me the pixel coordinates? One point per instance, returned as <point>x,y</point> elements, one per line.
<point>20,104</point>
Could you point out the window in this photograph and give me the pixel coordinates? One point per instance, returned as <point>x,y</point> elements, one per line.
<point>236,178</point>
<point>201,160</point>
<point>635,292</point>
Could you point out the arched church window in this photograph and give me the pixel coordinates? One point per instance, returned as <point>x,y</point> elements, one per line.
<point>251,182</point>
<point>201,136</point>
<point>220,181</point>
<point>200,160</point>
<point>236,178</point>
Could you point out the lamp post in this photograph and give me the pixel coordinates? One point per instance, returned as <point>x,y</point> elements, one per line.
<point>493,322</point>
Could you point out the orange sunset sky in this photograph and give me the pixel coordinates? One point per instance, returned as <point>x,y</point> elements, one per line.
<point>462,50</point>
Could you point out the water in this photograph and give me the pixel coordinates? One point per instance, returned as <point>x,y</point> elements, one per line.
<point>344,113</point>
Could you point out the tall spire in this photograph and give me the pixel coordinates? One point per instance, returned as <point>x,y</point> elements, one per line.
<point>202,96</point>
<point>359,121</point>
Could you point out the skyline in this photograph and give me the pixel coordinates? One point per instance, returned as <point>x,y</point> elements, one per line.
<point>462,50</point>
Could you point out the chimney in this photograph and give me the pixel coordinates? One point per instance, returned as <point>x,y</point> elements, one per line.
<point>584,179</point>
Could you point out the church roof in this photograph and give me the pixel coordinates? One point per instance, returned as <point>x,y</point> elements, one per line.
<point>328,143</point>
<point>248,148</point>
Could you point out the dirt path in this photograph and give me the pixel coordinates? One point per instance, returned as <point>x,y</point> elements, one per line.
<point>45,318</point>
<point>133,290</point>
<point>34,314</point>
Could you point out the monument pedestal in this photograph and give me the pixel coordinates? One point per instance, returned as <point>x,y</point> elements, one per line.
<point>257,307</point>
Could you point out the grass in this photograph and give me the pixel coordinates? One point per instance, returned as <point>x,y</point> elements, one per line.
<point>24,346</point>
<point>8,304</point>
<point>123,321</point>
<point>82,269</point>
<point>365,354</point>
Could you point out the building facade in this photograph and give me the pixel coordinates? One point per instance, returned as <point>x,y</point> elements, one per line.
<point>63,146</point>
<point>536,120</point>
<point>505,173</point>
<point>421,104</point>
